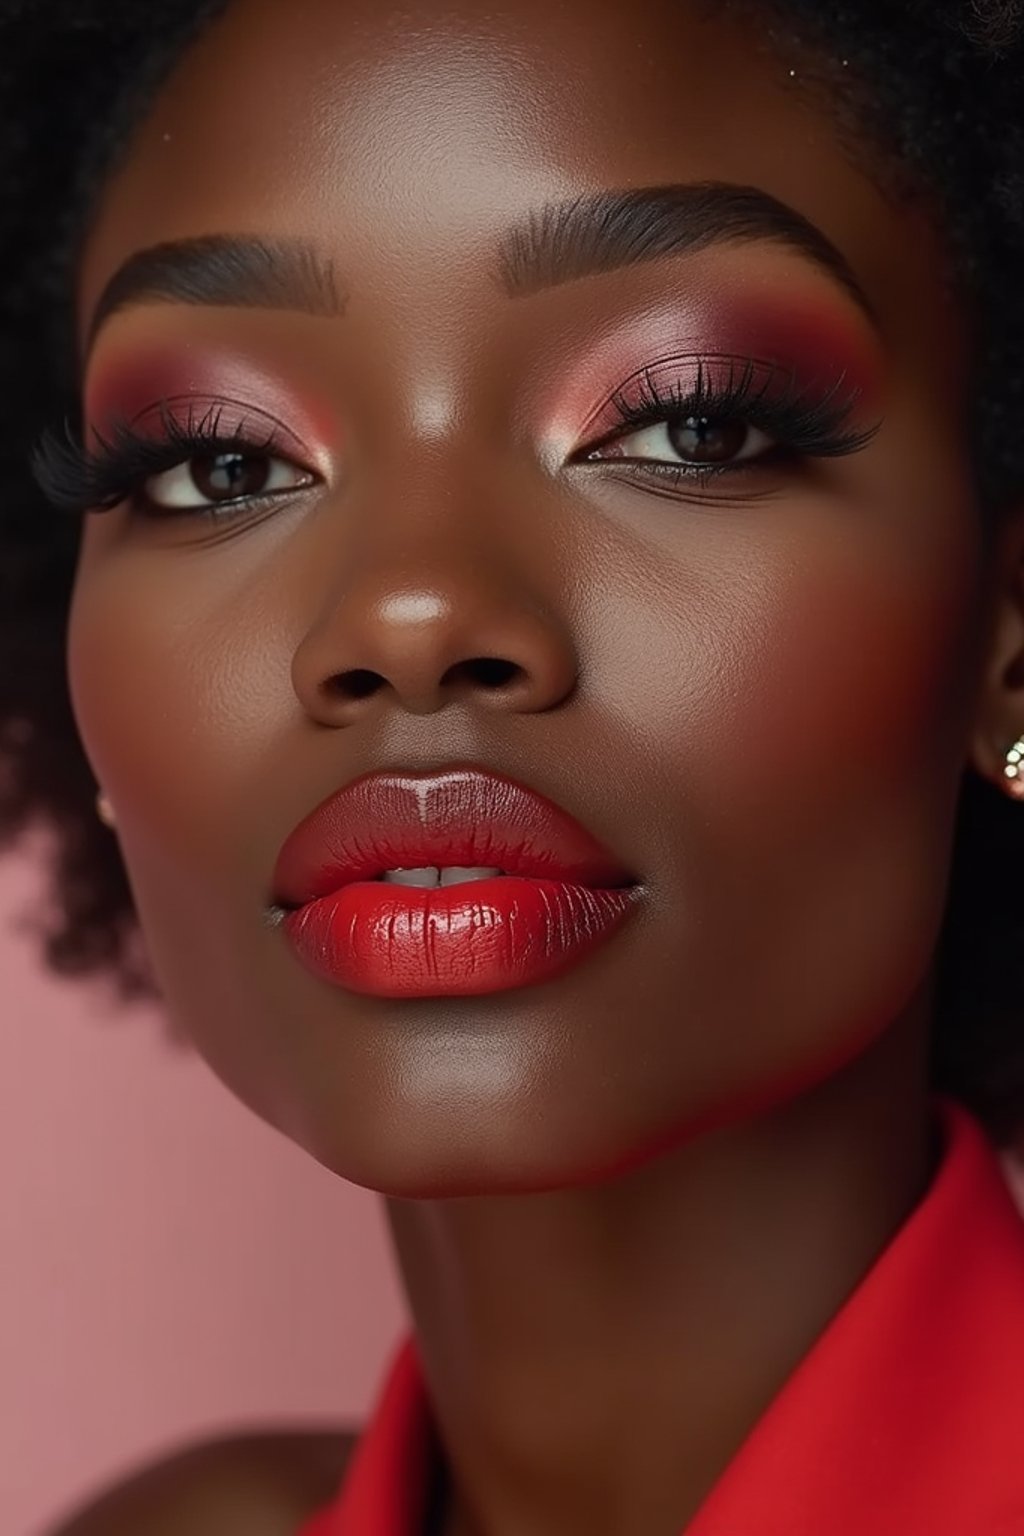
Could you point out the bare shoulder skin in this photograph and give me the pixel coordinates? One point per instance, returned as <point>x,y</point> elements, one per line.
<point>243,1485</point>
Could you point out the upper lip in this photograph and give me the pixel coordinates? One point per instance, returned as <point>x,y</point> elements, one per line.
<point>464,816</point>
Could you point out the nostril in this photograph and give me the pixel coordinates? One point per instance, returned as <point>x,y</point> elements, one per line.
<point>359,683</point>
<point>492,671</point>
<point>487,671</point>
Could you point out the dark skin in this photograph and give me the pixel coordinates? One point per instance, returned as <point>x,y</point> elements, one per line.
<point>624,1202</point>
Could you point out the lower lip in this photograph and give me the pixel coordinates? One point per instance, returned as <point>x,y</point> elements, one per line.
<point>461,940</point>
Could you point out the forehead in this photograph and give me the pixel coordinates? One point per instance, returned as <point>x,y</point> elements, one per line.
<point>406,140</point>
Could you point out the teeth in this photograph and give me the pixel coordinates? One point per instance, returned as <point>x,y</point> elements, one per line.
<point>456,874</point>
<point>432,875</point>
<point>426,877</point>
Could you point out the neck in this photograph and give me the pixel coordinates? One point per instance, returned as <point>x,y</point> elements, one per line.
<point>596,1356</point>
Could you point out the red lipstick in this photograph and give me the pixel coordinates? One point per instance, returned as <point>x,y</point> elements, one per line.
<point>560,893</point>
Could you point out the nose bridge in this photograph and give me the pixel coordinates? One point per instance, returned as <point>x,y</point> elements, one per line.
<point>433,585</point>
<point>425,523</point>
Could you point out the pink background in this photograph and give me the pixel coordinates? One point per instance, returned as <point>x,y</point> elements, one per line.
<point>170,1266</point>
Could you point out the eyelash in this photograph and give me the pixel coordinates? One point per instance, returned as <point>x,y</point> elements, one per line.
<point>76,479</point>
<point>802,426</point>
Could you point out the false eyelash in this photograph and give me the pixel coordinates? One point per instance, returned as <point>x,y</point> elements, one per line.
<point>76,479</point>
<point>809,426</point>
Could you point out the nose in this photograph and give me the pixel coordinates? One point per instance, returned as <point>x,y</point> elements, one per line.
<point>426,611</point>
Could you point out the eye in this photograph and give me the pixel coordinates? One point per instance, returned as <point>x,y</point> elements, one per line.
<point>193,466</point>
<point>737,416</point>
<point>689,440</point>
<point>228,476</point>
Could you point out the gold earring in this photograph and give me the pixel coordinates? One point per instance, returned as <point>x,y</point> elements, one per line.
<point>104,810</point>
<point>1013,772</point>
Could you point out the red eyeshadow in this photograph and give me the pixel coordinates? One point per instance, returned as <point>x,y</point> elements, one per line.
<point>815,341</point>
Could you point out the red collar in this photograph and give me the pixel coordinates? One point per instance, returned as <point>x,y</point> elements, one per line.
<point>908,1410</point>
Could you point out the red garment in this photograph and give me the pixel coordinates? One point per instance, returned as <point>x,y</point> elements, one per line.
<point>905,1418</point>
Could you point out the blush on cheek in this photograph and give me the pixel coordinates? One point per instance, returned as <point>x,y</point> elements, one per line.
<point>849,685</point>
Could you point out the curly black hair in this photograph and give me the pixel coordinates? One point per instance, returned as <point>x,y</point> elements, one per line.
<point>930,91</point>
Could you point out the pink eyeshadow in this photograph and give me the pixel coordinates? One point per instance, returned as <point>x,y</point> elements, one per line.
<point>137,385</point>
<point>809,338</point>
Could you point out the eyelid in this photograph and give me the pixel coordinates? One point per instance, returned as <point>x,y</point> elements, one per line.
<point>77,478</point>
<point>166,359</point>
<point>801,423</point>
<point>200,406</point>
<point>762,314</point>
<point>718,370</point>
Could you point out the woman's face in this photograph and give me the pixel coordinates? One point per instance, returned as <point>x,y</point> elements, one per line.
<point>757,691</point>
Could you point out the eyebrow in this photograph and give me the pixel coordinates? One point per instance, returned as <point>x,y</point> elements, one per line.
<point>556,244</point>
<point>604,231</point>
<point>234,270</point>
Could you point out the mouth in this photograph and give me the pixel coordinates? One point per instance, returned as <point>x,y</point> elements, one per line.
<point>455,883</point>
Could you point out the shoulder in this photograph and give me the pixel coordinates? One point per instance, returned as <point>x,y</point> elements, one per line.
<point>264,1484</point>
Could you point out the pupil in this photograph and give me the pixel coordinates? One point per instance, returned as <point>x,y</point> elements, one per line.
<point>223,475</point>
<point>704,439</point>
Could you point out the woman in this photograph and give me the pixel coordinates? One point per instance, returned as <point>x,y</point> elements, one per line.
<point>568,458</point>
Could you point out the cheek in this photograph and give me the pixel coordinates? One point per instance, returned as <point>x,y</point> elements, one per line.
<point>178,686</point>
<point>841,773</point>
<point>860,642</point>
<point>808,725</point>
<point>174,699</point>
<point>856,676</point>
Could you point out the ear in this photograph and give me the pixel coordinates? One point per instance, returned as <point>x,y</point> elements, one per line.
<point>999,712</point>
